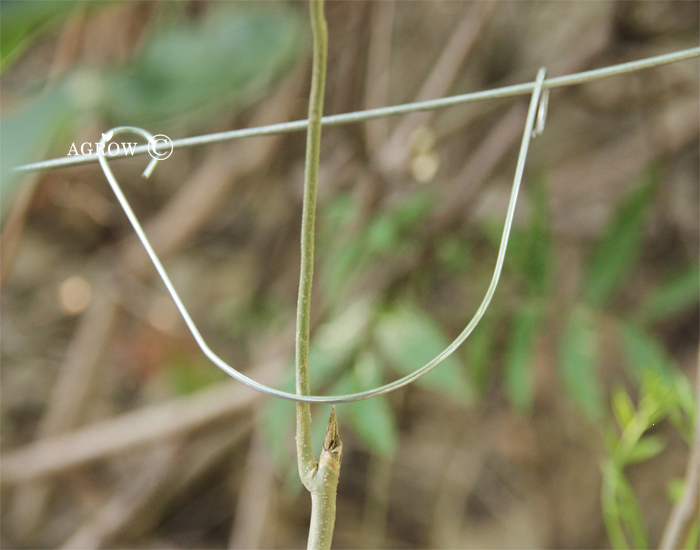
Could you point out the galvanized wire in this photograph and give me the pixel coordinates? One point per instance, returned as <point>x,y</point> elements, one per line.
<point>536,114</point>
<point>228,369</point>
<point>359,116</point>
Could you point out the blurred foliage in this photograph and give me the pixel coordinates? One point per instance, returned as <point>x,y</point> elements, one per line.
<point>579,362</point>
<point>188,69</point>
<point>197,69</point>
<point>628,443</point>
<point>680,293</point>
<point>347,251</point>
<point>408,339</point>
<point>187,376</point>
<point>21,22</point>
<point>519,362</point>
<point>401,336</point>
<point>28,133</point>
<point>618,251</point>
<point>224,61</point>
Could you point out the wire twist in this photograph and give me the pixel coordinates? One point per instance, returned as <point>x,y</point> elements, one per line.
<point>536,112</point>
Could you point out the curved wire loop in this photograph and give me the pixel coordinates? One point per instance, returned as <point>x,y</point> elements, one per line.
<point>532,116</point>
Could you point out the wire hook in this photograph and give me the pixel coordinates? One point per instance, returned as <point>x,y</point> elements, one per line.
<point>537,106</point>
<point>542,108</point>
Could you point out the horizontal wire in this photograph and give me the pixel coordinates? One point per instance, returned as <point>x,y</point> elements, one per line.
<point>360,116</point>
<point>228,369</point>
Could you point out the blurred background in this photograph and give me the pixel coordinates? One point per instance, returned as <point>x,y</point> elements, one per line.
<point>118,433</point>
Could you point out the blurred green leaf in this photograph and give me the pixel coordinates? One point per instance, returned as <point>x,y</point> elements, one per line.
<point>186,375</point>
<point>529,254</point>
<point>278,422</point>
<point>340,211</point>
<point>341,265</point>
<point>611,510</point>
<point>631,514</point>
<point>670,395</point>
<point>479,349</point>
<point>21,22</point>
<point>332,346</point>
<point>621,510</point>
<point>382,234</point>
<point>579,363</point>
<point>27,132</point>
<point>409,338</point>
<point>620,248</point>
<point>623,408</point>
<point>227,58</point>
<point>646,448</point>
<point>675,489</point>
<point>454,253</point>
<point>372,420</point>
<point>538,264</point>
<point>644,353</point>
<point>519,361</point>
<point>692,540</point>
<point>412,209</point>
<point>342,334</point>
<point>679,294</point>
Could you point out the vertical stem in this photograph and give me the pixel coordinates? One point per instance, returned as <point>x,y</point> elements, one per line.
<point>321,479</point>
<point>305,456</point>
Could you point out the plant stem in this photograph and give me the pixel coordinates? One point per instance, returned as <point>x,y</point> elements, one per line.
<point>321,479</point>
<point>325,483</point>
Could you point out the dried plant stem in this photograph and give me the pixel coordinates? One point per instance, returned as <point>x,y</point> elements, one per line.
<point>321,479</point>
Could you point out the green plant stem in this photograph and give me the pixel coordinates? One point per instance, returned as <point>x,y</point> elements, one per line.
<point>324,486</point>
<point>321,479</point>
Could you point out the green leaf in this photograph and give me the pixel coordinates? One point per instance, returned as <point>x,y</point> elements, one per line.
<point>519,361</point>
<point>382,234</point>
<point>692,540</point>
<point>372,420</point>
<point>530,248</point>
<point>620,248</point>
<point>644,353</point>
<point>343,333</point>
<point>612,477</point>
<point>537,265</point>
<point>27,132</point>
<point>675,489</point>
<point>227,58</point>
<point>341,266</point>
<point>331,348</point>
<point>579,363</point>
<point>409,338</point>
<point>623,408</point>
<point>621,511</point>
<point>646,448</point>
<point>412,209</point>
<point>21,22</point>
<point>454,253</point>
<point>278,422</point>
<point>679,294</point>
<point>631,515</point>
<point>670,396</point>
<point>187,376</point>
<point>479,349</point>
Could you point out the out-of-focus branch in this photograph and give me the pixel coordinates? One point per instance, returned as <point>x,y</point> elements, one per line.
<point>151,424</point>
<point>686,509</point>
